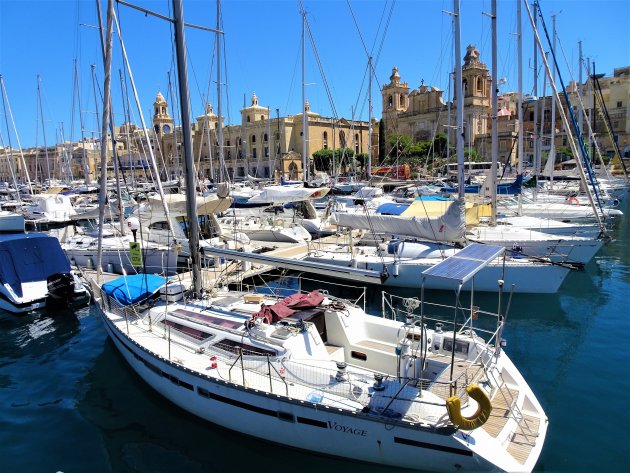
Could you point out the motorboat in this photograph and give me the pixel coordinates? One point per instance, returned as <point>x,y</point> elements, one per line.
<point>35,273</point>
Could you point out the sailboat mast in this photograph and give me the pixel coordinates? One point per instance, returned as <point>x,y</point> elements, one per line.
<point>219,105</point>
<point>535,130</point>
<point>552,151</point>
<point>191,194</point>
<point>369,158</point>
<point>519,35</point>
<point>41,114</point>
<point>107,60</point>
<point>495,117</point>
<point>459,92</point>
<point>580,62</point>
<point>304,114</point>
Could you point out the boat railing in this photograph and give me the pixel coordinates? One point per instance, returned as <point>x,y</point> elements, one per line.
<point>280,291</point>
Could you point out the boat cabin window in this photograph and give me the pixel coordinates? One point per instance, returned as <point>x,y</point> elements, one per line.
<point>159,226</point>
<point>235,347</point>
<point>461,347</point>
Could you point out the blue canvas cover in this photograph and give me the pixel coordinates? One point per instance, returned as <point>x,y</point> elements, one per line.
<point>134,288</point>
<point>432,198</point>
<point>391,209</point>
<point>30,257</point>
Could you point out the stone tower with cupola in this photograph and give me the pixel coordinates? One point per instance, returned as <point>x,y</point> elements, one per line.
<point>395,100</point>
<point>476,83</point>
<point>162,121</point>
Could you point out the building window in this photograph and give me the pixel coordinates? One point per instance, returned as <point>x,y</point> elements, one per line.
<point>248,119</point>
<point>229,155</point>
<point>390,102</point>
<point>262,117</point>
<point>163,110</point>
<point>479,85</point>
<point>531,116</point>
<point>253,139</point>
<point>266,151</point>
<point>342,138</point>
<point>254,153</point>
<point>265,137</point>
<point>325,140</point>
<point>465,87</point>
<point>402,100</point>
<point>619,104</point>
<point>356,143</point>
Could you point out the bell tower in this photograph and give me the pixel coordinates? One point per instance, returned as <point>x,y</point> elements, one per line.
<point>395,99</point>
<point>162,121</point>
<point>476,83</point>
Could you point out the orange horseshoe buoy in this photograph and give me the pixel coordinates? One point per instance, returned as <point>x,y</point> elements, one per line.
<point>573,201</point>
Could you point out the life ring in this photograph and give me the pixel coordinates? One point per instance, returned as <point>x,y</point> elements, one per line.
<point>484,408</point>
<point>573,201</point>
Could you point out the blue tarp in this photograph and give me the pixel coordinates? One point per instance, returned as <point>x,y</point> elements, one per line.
<point>135,288</point>
<point>392,209</point>
<point>30,257</point>
<point>432,198</point>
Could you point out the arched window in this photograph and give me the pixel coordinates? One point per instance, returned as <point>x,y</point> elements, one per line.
<point>265,137</point>
<point>390,102</point>
<point>253,139</point>
<point>262,117</point>
<point>325,140</point>
<point>228,143</point>
<point>479,85</point>
<point>402,100</point>
<point>465,87</point>
<point>248,119</point>
<point>163,110</point>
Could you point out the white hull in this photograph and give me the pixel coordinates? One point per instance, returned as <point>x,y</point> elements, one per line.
<point>118,261</point>
<point>527,277</point>
<point>334,426</point>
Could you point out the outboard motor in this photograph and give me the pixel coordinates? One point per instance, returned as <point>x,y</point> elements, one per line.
<point>60,288</point>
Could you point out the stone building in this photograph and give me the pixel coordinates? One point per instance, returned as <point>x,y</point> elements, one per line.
<point>423,112</point>
<point>268,146</point>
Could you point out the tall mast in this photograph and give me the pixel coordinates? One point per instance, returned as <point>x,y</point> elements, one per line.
<point>495,117</point>
<point>519,36</point>
<point>107,60</point>
<point>219,116</point>
<point>115,160</point>
<point>459,92</point>
<point>369,159</point>
<point>580,61</point>
<point>191,194</point>
<point>535,131</point>
<point>552,151</point>
<point>86,166</point>
<point>304,114</point>
<point>41,114</point>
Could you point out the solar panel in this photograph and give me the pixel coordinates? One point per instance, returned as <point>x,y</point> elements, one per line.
<point>463,265</point>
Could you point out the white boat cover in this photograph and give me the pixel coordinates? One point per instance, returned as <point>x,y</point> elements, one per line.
<point>449,227</point>
<point>177,204</point>
<point>286,194</point>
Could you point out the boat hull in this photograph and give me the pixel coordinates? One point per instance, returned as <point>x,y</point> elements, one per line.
<point>298,424</point>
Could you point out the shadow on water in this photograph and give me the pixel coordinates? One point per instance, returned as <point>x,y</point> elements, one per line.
<point>143,432</point>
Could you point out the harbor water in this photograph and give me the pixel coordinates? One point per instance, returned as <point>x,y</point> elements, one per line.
<point>69,403</point>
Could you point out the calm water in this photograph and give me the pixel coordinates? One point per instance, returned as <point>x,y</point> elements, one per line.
<point>69,403</point>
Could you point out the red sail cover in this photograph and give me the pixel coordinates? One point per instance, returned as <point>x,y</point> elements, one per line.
<point>288,306</point>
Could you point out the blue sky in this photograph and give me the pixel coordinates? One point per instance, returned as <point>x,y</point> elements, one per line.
<point>262,52</point>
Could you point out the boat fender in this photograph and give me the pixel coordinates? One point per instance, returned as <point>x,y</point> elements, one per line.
<point>573,201</point>
<point>453,406</point>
